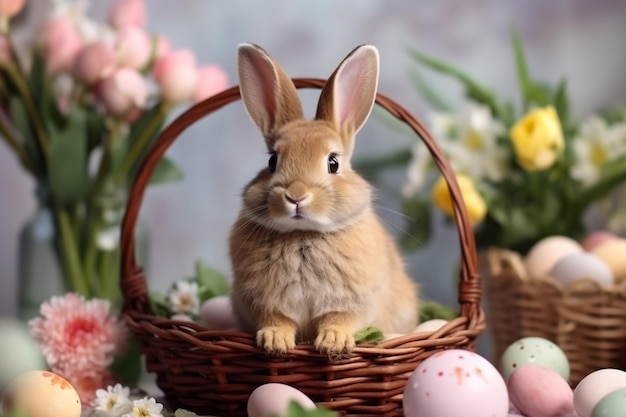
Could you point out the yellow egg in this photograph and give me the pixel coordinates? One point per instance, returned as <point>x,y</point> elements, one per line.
<point>613,254</point>
<point>547,252</point>
<point>41,394</point>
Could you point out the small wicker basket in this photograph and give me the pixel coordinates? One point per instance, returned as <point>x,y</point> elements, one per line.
<point>214,372</point>
<point>587,321</point>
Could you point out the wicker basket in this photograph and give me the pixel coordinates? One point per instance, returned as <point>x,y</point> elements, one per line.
<point>585,319</point>
<point>214,372</point>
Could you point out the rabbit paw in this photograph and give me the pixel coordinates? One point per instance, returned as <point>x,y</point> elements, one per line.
<point>334,340</point>
<point>276,339</point>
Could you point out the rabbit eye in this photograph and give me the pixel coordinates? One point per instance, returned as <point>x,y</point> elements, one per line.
<point>333,164</point>
<point>271,164</point>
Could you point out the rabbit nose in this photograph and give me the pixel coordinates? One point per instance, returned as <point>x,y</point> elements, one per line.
<point>296,193</point>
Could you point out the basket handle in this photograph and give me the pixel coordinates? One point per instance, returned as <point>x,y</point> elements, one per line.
<point>133,281</point>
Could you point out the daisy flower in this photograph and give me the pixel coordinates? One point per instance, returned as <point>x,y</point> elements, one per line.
<point>596,144</point>
<point>184,299</point>
<point>470,141</point>
<point>417,169</point>
<point>145,407</point>
<point>79,339</point>
<point>114,400</point>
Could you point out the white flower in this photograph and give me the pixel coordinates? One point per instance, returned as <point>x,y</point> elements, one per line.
<point>146,407</point>
<point>470,141</point>
<point>184,298</point>
<point>596,144</point>
<point>114,401</point>
<point>417,169</point>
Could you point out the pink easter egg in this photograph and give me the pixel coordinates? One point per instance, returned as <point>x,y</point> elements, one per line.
<point>596,238</point>
<point>537,391</point>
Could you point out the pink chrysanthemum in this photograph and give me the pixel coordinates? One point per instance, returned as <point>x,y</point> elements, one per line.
<point>79,338</point>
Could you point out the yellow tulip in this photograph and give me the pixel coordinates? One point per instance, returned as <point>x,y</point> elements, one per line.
<point>537,139</point>
<point>476,206</point>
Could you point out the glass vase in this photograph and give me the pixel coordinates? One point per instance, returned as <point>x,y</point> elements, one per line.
<point>95,229</point>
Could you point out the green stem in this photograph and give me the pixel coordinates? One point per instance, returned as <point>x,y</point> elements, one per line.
<point>142,141</point>
<point>17,148</point>
<point>69,251</point>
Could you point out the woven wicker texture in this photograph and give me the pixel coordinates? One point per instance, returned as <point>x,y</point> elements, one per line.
<point>586,320</point>
<point>214,372</point>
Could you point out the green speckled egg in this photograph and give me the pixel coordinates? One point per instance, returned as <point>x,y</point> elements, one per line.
<point>611,405</point>
<point>536,351</point>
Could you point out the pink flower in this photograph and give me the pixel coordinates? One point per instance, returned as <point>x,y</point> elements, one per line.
<point>76,334</point>
<point>176,73</point>
<point>60,43</point>
<point>123,92</point>
<point>10,8</point>
<point>211,80</point>
<point>87,383</point>
<point>134,48</point>
<point>126,13</point>
<point>162,46</point>
<point>94,62</point>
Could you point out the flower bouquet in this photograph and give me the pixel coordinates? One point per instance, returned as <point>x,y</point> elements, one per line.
<point>79,110</point>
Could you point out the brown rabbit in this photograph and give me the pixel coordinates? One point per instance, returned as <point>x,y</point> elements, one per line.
<point>311,260</point>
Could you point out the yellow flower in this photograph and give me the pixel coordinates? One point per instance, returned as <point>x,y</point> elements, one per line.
<point>537,139</point>
<point>476,206</point>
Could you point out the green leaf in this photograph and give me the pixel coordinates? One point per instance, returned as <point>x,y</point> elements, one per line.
<point>474,90</point>
<point>294,409</point>
<point>431,96</point>
<point>369,335</point>
<point>21,121</point>
<point>211,281</point>
<point>159,305</point>
<point>166,171</point>
<point>418,224</point>
<point>67,160</point>
<point>184,413</point>
<point>430,310</point>
<point>531,92</point>
<point>127,365</point>
<point>43,94</point>
<point>96,129</point>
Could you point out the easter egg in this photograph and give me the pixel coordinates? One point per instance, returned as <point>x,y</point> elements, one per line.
<point>545,253</point>
<point>581,265</point>
<point>611,405</point>
<point>217,313</point>
<point>594,387</point>
<point>430,325</point>
<point>20,352</point>
<point>613,254</point>
<point>537,391</point>
<point>535,351</point>
<point>274,399</point>
<point>454,383</point>
<point>596,238</point>
<point>41,394</point>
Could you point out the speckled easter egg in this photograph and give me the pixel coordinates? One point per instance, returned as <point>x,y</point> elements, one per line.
<point>535,351</point>
<point>41,394</point>
<point>575,266</point>
<point>596,238</point>
<point>594,387</point>
<point>274,399</point>
<point>454,383</point>
<point>611,405</point>
<point>546,253</point>
<point>613,254</point>
<point>537,391</point>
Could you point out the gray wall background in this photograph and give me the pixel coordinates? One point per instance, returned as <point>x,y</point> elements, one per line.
<point>582,39</point>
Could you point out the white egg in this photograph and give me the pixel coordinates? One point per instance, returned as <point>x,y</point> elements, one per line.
<point>274,399</point>
<point>430,325</point>
<point>595,386</point>
<point>217,313</point>
<point>545,254</point>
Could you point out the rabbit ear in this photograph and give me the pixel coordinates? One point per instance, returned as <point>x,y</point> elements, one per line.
<point>348,97</point>
<point>268,94</point>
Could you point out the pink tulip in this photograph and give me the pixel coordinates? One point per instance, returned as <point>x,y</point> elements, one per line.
<point>10,8</point>
<point>126,13</point>
<point>134,48</point>
<point>60,43</point>
<point>94,62</point>
<point>176,73</point>
<point>5,51</point>
<point>211,80</point>
<point>162,46</point>
<point>123,92</point>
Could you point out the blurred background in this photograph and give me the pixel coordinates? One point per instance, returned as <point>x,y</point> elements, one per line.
<point>190,220</point>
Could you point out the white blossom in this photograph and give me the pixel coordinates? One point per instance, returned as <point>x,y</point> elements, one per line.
<point>184,299</point>
<point>113,402</point>
<point>145,407</point>
<point>417,170</point>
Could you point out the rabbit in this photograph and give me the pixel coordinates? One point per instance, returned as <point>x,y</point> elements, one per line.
<point>311,261</point>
